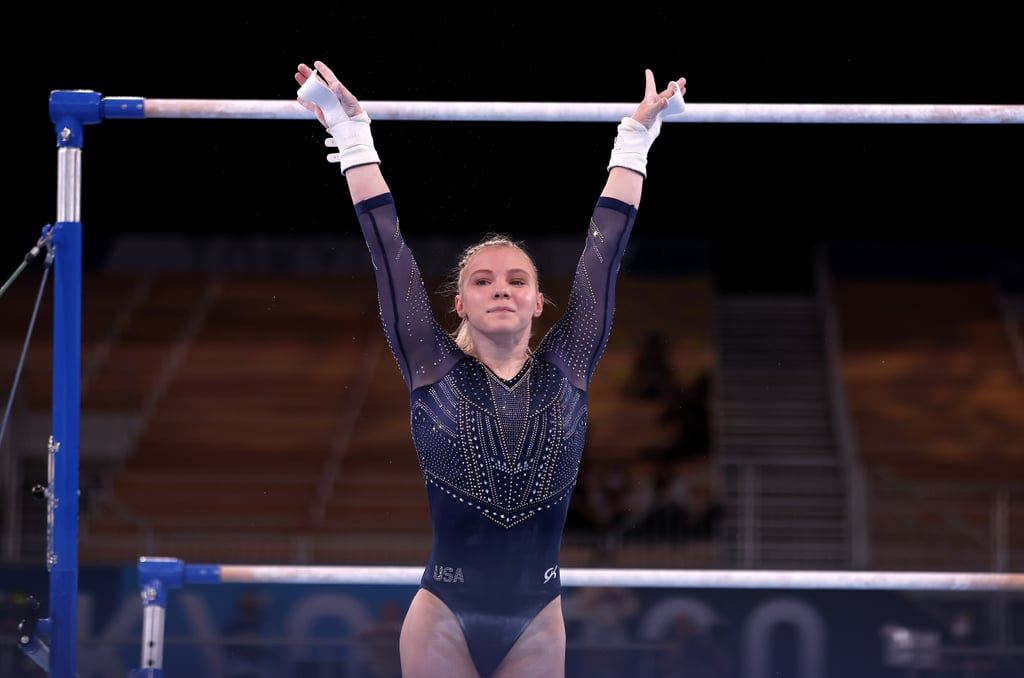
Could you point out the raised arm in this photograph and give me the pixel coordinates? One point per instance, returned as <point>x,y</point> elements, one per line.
<point>337,108</point>
<point>577,340</point>
<point>627,168</point>
<point>422,348</point>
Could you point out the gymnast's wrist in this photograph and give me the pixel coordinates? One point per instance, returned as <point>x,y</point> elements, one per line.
<point>632,142</point>
<point>354,141</point>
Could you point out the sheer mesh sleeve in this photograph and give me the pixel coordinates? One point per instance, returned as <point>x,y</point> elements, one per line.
<point>576,341</point>
<point>424,350</point>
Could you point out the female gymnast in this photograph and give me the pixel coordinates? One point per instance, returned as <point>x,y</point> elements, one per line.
<point>498,426</point>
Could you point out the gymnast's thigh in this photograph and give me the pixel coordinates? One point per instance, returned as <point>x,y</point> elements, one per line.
<point>432,644</point>
<point>540,650</point>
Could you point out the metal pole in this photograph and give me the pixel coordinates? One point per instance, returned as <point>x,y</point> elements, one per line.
<point>63,449</point>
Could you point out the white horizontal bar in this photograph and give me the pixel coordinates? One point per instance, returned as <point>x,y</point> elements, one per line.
<point>770,579</point>
<point>508,111</point>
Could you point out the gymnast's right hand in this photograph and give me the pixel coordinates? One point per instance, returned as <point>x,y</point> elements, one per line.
<point>349,105</point>
<point>339,111</point>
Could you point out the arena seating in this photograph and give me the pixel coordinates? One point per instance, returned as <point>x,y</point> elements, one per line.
<point>937,407</point>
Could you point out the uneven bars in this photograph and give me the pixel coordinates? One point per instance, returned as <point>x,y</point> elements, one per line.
<point>771,579</point>
<point>509,111</point>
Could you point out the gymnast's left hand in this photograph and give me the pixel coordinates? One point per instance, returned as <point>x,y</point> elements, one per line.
<point>654,102</point>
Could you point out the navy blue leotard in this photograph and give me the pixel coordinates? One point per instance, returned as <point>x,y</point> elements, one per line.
<point>499,457</point>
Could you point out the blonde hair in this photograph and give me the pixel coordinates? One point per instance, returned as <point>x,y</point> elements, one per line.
<point>457,276</point>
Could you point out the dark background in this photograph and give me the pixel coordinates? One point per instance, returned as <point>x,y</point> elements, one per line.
<point>745,189</point>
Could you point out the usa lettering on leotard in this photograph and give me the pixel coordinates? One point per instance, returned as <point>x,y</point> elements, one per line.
<point>448,574</point>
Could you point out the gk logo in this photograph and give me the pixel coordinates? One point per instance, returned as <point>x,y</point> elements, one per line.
<point>550,573</point>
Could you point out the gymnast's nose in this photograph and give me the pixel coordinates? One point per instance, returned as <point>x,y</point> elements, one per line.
<point>500,293</point>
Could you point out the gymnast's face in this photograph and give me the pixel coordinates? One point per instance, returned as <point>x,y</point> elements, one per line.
<point>499,293</point>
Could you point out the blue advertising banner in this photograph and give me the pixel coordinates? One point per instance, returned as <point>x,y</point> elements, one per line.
<point>344,631</point>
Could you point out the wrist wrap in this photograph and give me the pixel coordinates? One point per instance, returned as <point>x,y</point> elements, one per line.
<point>349,134</point>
